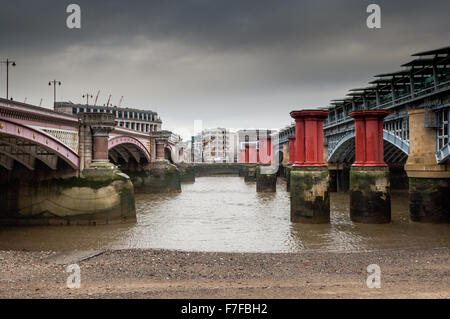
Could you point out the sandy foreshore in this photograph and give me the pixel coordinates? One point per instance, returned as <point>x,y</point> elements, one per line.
<point>139,273</point>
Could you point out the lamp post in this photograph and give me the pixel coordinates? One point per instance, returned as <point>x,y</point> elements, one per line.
<point>8,62</point>
<point>54,82</point>
<point>87,96</point>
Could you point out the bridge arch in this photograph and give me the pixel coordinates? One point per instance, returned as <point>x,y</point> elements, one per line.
<point>395,150</point>
<point>443,155</point>
<point>127,147</point>
<point>24,144</point>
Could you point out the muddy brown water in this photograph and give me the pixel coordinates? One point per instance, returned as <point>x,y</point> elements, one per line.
<point>225,214</point>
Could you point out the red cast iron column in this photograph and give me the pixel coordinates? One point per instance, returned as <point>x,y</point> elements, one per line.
<point>370,197</point>
<point>369,138</point>
<point>309,177</point>
<point>291,150</point>
<point>309,138</point>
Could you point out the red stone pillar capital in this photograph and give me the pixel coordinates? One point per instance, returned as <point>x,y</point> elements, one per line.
<point>309,138</point>
<point>291,140</point>
<point>369,146</point>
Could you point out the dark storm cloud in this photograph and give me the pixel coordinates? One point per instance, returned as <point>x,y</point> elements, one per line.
<point>215,58</point>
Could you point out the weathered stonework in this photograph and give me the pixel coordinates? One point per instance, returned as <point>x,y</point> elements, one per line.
<point>187,172</point>
<point>370,196</point>
<point>266,180</point>
<point>218,169</point>
<point>250,174</point>
<point>310,199</point>
<point>429,200</point>
<point>100,196</point>
<point>287,170</point>
<point>158,177</point>
<point>421,161</point>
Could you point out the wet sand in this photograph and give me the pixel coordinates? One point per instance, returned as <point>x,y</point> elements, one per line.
<point>147,273</point>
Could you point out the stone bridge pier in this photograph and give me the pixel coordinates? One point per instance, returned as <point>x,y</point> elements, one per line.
<point>370,197</point>
<point>291,140</point>
<point>249,170</point>
<point>309,180</point>
<point>266,175</point>
<point>160,176</point>
<point>429,182</point>
<point>100,175</point>
<point>89,191</point>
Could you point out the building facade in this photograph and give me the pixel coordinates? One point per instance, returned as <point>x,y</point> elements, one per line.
<point>217,145</point>
<point>130,118</point>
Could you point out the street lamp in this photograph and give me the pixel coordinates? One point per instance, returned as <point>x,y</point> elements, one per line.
<point>8,62</point>
<point>87,96</point>
<point>54,82</point>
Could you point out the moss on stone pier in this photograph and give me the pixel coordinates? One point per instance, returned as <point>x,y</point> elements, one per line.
<point>429,200</point>
<point>159,177</point>
<point>187,172</point>
<point>91,199</point>
<point>310,198</point>
<point>370,196</point>
<point>265,183</point>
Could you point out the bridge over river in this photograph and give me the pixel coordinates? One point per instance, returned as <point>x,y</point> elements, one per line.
<point>57,168</point>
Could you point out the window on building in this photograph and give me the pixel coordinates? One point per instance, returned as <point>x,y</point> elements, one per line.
<point>74,110</point>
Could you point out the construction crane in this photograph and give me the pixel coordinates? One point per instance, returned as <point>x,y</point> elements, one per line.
<point>121,100</point>
<point>40,103</point>
<point>96,98</point>
<point>109,100</point>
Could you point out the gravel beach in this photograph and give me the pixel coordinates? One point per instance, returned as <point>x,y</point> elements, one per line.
<point>176,274</point>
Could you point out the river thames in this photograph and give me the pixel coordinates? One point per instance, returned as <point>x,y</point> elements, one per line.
<point>224,214</point>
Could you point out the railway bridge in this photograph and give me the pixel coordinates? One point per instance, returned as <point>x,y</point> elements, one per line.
<point>414,133</point>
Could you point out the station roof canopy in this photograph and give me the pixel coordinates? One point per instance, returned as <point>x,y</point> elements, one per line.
<point>426,62</point>
<point>366,89</point>
<point>341,101</point>
<point>418,69</point>
<point>394,74</point>
<point>445,50</point>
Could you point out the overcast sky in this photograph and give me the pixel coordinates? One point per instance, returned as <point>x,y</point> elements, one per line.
<point>229,63</point>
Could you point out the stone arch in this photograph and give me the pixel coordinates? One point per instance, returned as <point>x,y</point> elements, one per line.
<point>24,144</point>
<point>127,147</point>
<point>168,149</point>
